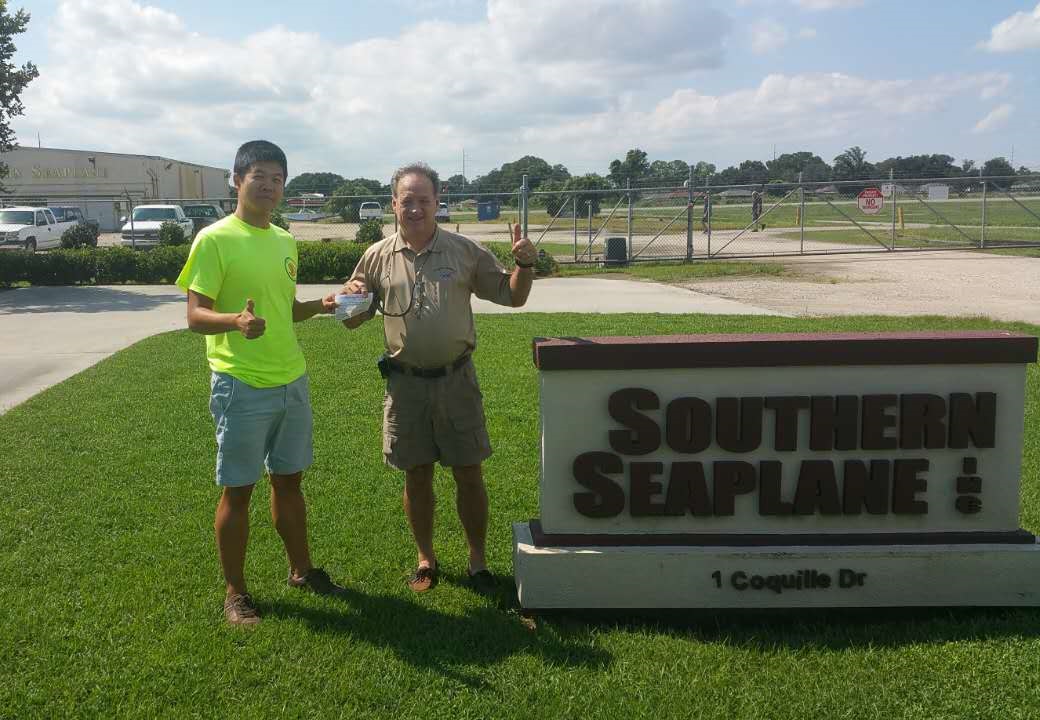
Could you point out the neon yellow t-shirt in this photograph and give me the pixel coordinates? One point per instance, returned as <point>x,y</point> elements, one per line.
<point>231,262</point>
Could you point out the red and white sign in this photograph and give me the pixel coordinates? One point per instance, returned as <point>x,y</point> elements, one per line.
<point>870,201</point>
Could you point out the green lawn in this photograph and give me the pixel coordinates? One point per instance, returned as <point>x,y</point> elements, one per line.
<point>110,598</point>
<point>676,272</point>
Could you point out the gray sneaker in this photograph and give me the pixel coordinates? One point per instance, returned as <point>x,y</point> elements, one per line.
<point>317,581</point>
<point>239,609</point>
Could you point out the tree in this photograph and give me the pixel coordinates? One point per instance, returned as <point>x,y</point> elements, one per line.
<point>920,166</point>
<point>573,188</point>
<point>12,79</point>
<point>634,167</point>
<point>753,172</point>
<point>457,184</point>
<point>703,170</point>
<point>788,166</point>
<point>967,166</point>
<point>347,198</point>
<point>319,182</point>
<point>510,176</point>
<point>852,165</point>
<point>998,167</point>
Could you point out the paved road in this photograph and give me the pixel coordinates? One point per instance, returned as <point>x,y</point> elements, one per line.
<point>49,334</point>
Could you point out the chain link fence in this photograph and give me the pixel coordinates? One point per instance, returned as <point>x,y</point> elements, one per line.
<point>695,220</point>
<point>702,222</point>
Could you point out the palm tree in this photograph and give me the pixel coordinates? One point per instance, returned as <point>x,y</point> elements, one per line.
<point>852,164</point>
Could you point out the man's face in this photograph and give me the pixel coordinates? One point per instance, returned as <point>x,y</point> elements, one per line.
<point>262,186</point>
<point>415,206</point>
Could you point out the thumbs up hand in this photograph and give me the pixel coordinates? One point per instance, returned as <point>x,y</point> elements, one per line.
<point>249,324</point>
<point>524,251</point>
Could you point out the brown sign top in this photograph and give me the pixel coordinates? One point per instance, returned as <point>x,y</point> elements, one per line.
<point>784,349</point>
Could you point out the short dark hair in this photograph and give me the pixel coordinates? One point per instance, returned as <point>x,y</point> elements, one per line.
<point>256,151</point>
<point>416,168</point>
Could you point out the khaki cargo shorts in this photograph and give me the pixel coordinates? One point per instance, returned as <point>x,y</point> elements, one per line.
<point>429,420</point>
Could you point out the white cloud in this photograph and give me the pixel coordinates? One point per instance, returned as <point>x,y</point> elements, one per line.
<point>995,119</point>
<point>807,33</point>
<point>152,86</point>
<point>828,4</point>
<point>1021,31</point>
<point>767,36</point>
<point>802,108</point>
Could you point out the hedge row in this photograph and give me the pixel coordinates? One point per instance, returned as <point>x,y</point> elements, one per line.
<point>319,263</point>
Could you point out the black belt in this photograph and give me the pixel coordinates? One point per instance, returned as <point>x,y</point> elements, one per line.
<point>434,372</point>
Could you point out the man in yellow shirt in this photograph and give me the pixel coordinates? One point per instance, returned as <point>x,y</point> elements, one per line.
<point>240,277</point>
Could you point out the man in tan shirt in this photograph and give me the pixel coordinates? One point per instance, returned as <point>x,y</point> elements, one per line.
<point>422,278</point>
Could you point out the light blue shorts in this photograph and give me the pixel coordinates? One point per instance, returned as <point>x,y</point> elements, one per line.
<point>260,427</point>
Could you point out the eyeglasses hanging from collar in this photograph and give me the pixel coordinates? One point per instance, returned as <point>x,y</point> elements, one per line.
<point>418,289</point>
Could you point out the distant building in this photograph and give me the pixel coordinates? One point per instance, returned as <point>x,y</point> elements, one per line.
<point>307,200</point>
<point>99,182</point>
<point>736,193</point>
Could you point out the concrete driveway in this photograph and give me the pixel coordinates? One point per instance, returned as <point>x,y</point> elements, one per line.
<point>48,334</point>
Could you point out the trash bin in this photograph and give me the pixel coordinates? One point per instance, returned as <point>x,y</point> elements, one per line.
<point>617,251</point>
<point>487,210</point>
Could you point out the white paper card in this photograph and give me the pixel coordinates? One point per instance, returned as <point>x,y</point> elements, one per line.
<point>347,306</point>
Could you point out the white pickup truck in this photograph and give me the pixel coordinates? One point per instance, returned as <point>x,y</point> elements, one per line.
<point>143,232</point>
<point>370,211</point>
<point>30,229</point>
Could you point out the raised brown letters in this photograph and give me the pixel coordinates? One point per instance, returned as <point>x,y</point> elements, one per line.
<point>643,435</point>
<point>738,431</point>
<point>606,498</point>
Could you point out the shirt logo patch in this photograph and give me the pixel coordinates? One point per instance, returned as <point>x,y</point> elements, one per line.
<point>443,274</point>
<point>290,268</point>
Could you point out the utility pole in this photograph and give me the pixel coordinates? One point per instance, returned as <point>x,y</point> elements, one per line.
<point>463,162</point>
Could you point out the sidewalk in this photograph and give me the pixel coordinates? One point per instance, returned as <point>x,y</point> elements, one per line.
<point>48,334</point>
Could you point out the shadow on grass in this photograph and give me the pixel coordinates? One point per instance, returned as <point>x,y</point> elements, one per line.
<point>83,299</point>
<point>445,643</point>
<point>824,628</point>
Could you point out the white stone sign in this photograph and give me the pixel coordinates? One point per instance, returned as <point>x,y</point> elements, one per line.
<point>853,469</point>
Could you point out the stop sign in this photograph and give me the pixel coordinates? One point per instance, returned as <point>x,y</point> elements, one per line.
<point>870,201</point>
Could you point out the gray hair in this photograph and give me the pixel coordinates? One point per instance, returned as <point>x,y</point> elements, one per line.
<point>416,168</point>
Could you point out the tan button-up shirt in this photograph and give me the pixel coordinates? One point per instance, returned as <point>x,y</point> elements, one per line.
<point>432,289</point>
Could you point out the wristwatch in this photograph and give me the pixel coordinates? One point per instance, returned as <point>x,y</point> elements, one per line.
<point>526,266</point>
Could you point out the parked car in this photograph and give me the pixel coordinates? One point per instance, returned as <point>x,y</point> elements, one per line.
<point>143,231</point>
<point>370,211</point>
<point>443,215</point>
<point>73,214</point>
<point>202,215</point>
<point>30,228</point>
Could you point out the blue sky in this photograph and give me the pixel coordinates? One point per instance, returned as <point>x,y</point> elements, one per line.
<point>360,88</point>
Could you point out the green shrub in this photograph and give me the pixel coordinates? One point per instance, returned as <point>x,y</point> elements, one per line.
<point>161,265</point>
<point>544,266</point>
<point>62,267</point>
<point>369,232</point>
<point>350,213</point>
<point>78,236</point>
<point>117,265</point>
<point>278,219</point>
<point>170,233</point>
<point>327,262</point>
<point>319,263</point>
<point>14,266</point>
